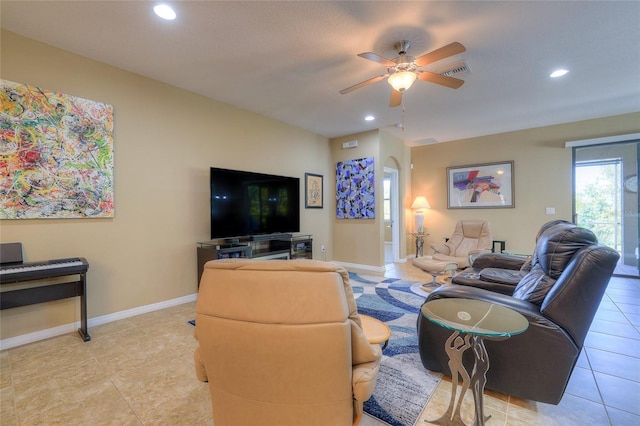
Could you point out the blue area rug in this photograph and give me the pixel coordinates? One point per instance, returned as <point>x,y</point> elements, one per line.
<point>404,386</point>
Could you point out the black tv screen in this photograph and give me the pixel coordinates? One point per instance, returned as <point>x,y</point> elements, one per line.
<point>246,203</point>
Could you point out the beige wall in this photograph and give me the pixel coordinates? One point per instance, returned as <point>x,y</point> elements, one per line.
<point>165,141</point>
<point>393,150</point>
<point>355,241</point>
<point>542,167</point>
<point>360,241</point>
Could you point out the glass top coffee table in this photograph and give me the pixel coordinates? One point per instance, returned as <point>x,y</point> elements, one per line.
<point>476,320</point>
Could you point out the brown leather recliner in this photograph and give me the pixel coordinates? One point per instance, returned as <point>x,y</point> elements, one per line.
<point>559,296</point>
<point>281,343</point>
<point>498,271</point>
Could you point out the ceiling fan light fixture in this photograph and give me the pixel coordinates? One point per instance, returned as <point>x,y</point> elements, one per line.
<point>402,80</point>
<point>558,73</point>
<point>165,12</point>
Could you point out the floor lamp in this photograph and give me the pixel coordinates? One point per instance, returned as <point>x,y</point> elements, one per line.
<point>419,204</point>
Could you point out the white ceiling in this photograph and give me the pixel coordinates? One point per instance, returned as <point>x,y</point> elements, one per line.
<point>288,59</point>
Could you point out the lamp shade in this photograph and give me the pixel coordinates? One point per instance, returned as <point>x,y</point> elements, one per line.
<point>420,203</point>
<point>402,80</point>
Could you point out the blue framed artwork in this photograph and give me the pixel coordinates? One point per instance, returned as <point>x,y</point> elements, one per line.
<point>355,184</point>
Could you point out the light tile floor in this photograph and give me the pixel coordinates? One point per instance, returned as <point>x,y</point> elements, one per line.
<point>139,371</point>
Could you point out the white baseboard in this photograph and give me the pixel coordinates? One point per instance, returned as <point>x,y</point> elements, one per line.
<point>13,342</point>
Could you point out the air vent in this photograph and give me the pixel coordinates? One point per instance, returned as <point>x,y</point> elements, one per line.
<point>455,69</point>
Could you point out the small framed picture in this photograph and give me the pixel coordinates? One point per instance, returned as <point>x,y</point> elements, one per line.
<point>313,191</point>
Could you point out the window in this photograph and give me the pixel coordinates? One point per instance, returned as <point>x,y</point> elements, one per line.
<point>387,199</point>
<point>598,201</point>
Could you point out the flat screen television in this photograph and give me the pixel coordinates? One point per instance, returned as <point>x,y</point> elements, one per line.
<point>247,203</point>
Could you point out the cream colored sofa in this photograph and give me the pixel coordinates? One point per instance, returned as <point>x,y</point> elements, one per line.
<point>281,343</point>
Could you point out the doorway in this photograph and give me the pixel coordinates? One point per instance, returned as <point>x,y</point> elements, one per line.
<point>390,212</point>
<point>606,198</point>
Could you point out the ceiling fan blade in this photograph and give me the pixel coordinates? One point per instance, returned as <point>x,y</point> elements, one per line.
<point>438,54</point>
<point>432,77</point>
<point>364,83</point>
<point>396,98</point>
<point>377,58</point>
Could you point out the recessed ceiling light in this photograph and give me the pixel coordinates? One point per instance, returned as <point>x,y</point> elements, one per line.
<point>165,12</point>
<point>558,73</point>
<point>369,118</point>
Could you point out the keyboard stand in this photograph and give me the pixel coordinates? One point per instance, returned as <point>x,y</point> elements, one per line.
<point>49,292</point>
<point>13,270</point>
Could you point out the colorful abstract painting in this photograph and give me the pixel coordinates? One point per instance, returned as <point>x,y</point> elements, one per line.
<point>355,196</point>
<point>56,155</point>
<point>478,186</point>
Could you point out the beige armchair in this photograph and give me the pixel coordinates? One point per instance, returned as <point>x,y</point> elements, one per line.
<point>470,238</point>
<point>281,343</point>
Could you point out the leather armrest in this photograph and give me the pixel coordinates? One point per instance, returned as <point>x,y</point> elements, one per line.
<point>471,277</point>
<point>502,276</point>
<point>363,382</point>
<point>473,254</point>
<point>365,365</point>
<point>364,379</point>
<point>498,260</point>
<point>362,351</point>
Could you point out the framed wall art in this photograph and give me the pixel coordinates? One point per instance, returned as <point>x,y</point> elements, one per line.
<point>355,184</point>
<point>489,185</point>
<point>313,191</point>
<point>56,153</point>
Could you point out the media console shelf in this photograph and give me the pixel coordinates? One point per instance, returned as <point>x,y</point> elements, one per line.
<point>282,246</point>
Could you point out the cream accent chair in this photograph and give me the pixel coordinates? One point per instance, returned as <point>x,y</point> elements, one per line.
<point>470,238</point>
<point>281,343</point>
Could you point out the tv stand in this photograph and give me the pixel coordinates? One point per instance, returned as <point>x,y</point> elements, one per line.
<point>277,246</point>
<point>264,237</point>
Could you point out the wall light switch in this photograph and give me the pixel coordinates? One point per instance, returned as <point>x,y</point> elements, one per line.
<point>551,210</point>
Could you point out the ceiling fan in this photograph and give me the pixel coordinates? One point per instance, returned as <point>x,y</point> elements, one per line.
<point>404,70</point>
